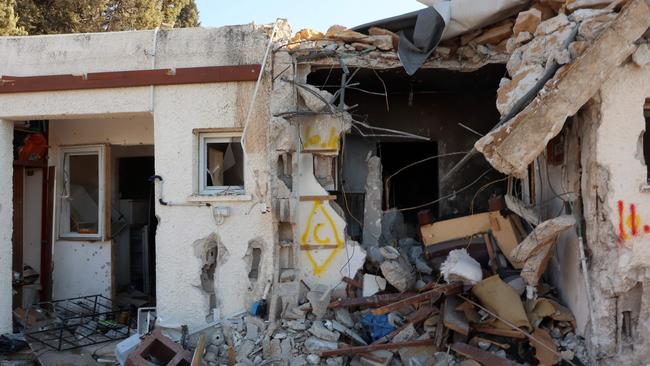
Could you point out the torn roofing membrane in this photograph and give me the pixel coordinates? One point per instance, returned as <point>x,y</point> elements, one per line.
<point>421,31</point>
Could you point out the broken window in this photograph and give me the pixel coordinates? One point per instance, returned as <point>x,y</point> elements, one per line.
<point>82,192</point>
<point>221,163</point>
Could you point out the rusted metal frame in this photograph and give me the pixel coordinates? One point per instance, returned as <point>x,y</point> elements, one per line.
<point>432,295</point>
<point>124,79</point>
<point>376,347</point>
<point>375,300</point>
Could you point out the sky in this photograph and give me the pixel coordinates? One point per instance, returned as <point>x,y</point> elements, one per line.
<point>318,15</point>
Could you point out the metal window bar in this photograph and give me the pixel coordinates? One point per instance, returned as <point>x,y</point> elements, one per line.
<point>80,322</point>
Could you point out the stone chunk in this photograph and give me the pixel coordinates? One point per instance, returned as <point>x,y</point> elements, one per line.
<point>383,42</point>
<point>495,35</point>
<point>317,329</point>
<point>373,284</point>
<point>315,345</point>
<point>319,298</point>
<point>509,94</point>
<point>641,56</point>
<point>551,25</point>
<point>344,317</point>
<point>582,4</point>
<point>399,273</point>
<point>527,21</point>
<point>591,28</point>
<point>376,31</point>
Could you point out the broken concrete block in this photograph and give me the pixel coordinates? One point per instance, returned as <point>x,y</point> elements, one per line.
<point>319,298</point>
<point>591,28</point>
<point>372,210</point>
<point>343,316</point>
<point>527,21</point>
<point>318,330</point>
<point>459,266</point>
<point>363,47</point>
<point>377,358</point>
<point>392,226</point>
<point>383,42</point>
<point>419,355</point>
<point>375,31</point>
<point>298,360</point>
<point>315,99</point>
<point>334,361</point>
<point>389,252</point>
<point>399,273</point>
<point>422,266</point>
<point>584,14</point>
<point>315,345</point>
<point>313,359</point>
<point>583,4</point>
<point>156,345</point>
<point>577,48</point>
<point>307,35</point>
<point>543,235</point>
<point>495,35</point>
<point>348,36</point>
<point>373,284</point>
<point>512,92</point>
<point>283,134</point>
<point>551,25</point>
<point>641,56</point>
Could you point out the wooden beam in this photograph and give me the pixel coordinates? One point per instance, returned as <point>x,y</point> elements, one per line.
<point>329,197</point>
<point>515,144</point>
<point>480,356</point>
<point>377,347</point>
<point>126,79</point>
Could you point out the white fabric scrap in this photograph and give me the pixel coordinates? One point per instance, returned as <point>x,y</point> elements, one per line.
<point>460,266</point>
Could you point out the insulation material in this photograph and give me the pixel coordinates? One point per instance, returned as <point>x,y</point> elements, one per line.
<point>498,297</point>
<point>460,266</point>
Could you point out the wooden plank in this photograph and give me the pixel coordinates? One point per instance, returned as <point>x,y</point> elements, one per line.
<point>414,318</point>
<point>376,347</point>
<point>505,234</point>
<point>457,228</point>
<point>509,333</point>
<point>375,300</point>
<point>432,296</point>
<point>480,356</point>
<point>133,78</point>
<point>329,197</point>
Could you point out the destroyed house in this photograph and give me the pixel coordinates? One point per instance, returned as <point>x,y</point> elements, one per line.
<point>479,169</point>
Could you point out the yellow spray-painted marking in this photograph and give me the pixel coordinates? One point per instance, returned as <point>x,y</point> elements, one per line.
<point>314,140</point>
<point>314,228</point>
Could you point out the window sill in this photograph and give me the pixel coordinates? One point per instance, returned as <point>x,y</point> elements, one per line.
<point>223,198</point>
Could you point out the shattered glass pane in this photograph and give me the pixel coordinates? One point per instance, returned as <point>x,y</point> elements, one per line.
<point>225,164</point>
<point>83,195</point>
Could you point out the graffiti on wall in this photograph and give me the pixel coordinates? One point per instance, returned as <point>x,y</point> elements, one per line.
<point>629,223</point>
<point>320,235</point>
<point>312,139</point>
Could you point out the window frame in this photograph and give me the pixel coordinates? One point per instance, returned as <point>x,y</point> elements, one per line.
<point>63,211</point>
<point>216,136</point>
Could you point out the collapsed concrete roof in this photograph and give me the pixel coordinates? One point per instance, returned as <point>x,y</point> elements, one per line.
<point>513,145</point>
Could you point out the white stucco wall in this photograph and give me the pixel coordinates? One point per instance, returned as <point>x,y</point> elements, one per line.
<point>93,259</point>
<point>6,224</point>
<point>176,110</point>
<point>622,256</point>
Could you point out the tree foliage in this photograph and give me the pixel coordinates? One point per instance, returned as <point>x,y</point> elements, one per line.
<point>81,16</point>
<point>8,19</point>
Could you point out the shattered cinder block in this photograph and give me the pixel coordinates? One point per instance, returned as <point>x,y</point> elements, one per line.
<point>510,93</point>
<point>157,346</point>
<point>527,21</point>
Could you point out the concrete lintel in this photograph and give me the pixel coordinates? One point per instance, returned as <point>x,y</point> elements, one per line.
<point>6,223</point>
<point>514,145</point>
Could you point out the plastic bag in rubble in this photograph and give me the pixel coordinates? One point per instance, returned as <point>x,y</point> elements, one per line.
<point>459,266</point>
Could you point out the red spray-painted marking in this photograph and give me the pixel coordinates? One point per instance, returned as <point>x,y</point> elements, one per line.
<point>646,228</point>
<point>635,231</point>
<point>621,224</point>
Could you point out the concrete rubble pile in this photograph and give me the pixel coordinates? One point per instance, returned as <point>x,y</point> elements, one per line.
<point>470,291</point>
